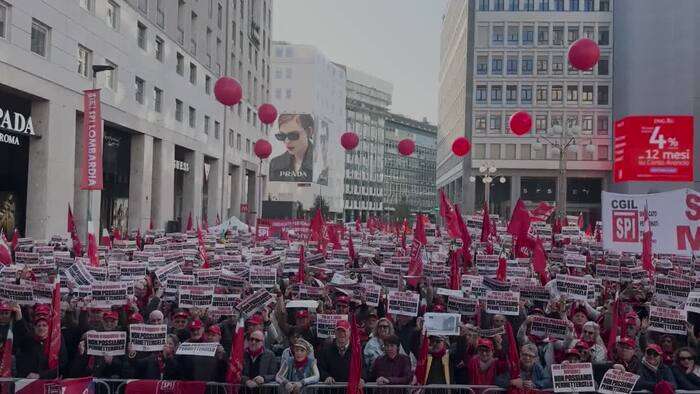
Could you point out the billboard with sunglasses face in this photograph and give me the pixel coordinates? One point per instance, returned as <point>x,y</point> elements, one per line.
<point>293,149</point>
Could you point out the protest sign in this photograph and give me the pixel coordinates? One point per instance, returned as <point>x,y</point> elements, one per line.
<point>195,296</point>
<point>442,323</point>
<point>534,292</point>
<point>671,289</point>
<point>108,294</point>
<point>547,327</point>
<point>608,272</point>
<point>449,292</point>
<point>162,273</point>
<point>254,302</point>
<point>43,292</point>
<point>209,276</point>
<point>174,282</point>
<point>574,260</point>
<point>462,305</point>
<point>470,281</point>
<point>224,304</point>
<point>693,302</point>
<point>390,281</point>
<point>573,287</point>
<point>617,382</point>
<point>403,303</point>
<point>492,332</point>
<point>231,281</point>
<point>372,294</point>
<point>21,294</point>
<point>147,337</point>
<point>99,273</point>
<point>78,274</point>
<point>573,377</point>
<point>503,302</point>
<point>107,343</point>
<point>667,320</point>
<point>325,324</point>
<point>263,277</point>
<point>205,349</point>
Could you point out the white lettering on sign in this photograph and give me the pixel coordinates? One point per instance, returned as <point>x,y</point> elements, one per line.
<point>14,121</point>
<point>9,139</point>
<point>182,166</point>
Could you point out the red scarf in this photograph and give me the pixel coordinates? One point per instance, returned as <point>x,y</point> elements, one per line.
<point>255,353</point>
<point>439,354</point>
<point>479,377</point>
<point>300,364</point>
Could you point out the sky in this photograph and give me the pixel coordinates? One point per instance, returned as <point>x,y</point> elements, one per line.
<point>395,40</point>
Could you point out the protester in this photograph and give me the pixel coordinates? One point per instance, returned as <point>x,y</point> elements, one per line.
<point>532,376</point>
<point>300,370</point>
<point>375,345</point>
<point>334,360</point>
<point>391,368</point>
<point>685,371</point>
<point>652,372</point>
<point>440,366</point>
<point>484,369</point>
<point>259,364</point>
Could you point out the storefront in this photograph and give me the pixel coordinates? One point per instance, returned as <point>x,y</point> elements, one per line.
<point>114,211</point>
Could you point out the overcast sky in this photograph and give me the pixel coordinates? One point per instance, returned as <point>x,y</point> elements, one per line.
<point>396,40</point>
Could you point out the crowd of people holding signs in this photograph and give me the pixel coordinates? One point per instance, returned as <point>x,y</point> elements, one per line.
<point>531,304</point>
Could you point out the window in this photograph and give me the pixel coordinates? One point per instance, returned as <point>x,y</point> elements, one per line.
<point>603,35</point>
<point>602,95</point>
<point>278,93</point>
<point>511,94</point>
<point>206,124</point>
<point>180,67</point>
<point>178,110</point>
<point>495,122</point>
<point>557,93</point>
<point>207,84</point>
<point>247,145</point>
<point>159,48</point>
<point>193,117</point>
<point>542,94</point>
<point>512,65</point>
<point>544,5</point>
<point>480,123</point>
<point>542,35</point>
<point>513,35</point>
<point>160,14</point>
<point>481,94</point>
<point>495,151</point>
<point>542,65</point>
<point>482,36</point>
<point>558,65</point>
<point>558,33</point>
<point>217,127</point>
<point>143,6</point>
<point>510,152</point>
<point>141,35</point>
<point>496,94</point>
<point>602,152</point>
<point>526,94</point>
<point>603,65</point>
<point>483,5</point>
<point>513,5</point>
<point>556,119</point>
<point>572,34</point>
<point>288,73</point>
<point>482,65</point>
<point>193,74</point>
<point>111,76</point>
<point>288,93</point>
<point>479,151</point>
<point>587,94</point>
<point>604,5</point>
<point>497,65</point>
<point>589,32</point>
<point>588,5</point>
<point>602,124</point>
<point>278,73</point>
<point>587,124</point>
<point>40,38</point>
<point>231,140</point>
<point>112,15</point>
<point>572,93</point>
<point>238,141</point>
<point>559,5</point>
<point>497,35</point>
<point>529,5</point>
<point>219,15</point>
<point>527,65</point>
<point>84,61</point>
<point>525,152</point>
<point>541,123</point>
<point>87,4</point>
<point>157,99</point>
<point>573,5</point>
<point>139,85</point>
<point>528,35</point>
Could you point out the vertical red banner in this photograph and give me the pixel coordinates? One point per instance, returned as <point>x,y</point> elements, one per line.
<point>91,164</point>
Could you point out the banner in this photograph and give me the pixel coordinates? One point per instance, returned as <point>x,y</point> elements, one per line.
<point>667,320</point>
<point>534,292</point>
<point>325,324</point>
<point>91,164</point>
<point>693,302</point>
<point>205,349</point>
<point>132,270</point>
<point>147,337</point>
<point>503,303</point>
<point>108,294</point>
<point>293,149</point>
<point>107,343</point>
<point>653,149</point>
<point>617,382</point>
<point>442,323</point>
<point>403,303</point>
<point>671,289</point>
<point>195,296</point>
<point>573,287</point>
<point>573,377</point>
<point>547,327</point>
<point>674,218</point>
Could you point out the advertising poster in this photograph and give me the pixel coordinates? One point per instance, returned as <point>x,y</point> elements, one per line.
<point>293,149</point>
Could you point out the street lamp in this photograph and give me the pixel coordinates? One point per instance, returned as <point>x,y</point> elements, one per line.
<point>563,139</point>
<point>487,173</point>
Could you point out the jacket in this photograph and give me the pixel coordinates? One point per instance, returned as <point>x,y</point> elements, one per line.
<point>149,367</point>
<point>30,358</point>
<point>331,363</point>
<point>266,365</point>
<point>539,377</point>
<point>307,375</point>
<point>440,371</point>
<point>398,370</point>
<point>686,381</point>
<point>648,378</point>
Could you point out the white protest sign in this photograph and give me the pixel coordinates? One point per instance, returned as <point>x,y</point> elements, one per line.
<point>403,303</point>
<point>224,304</point>
<point>442,323</point>
<point>573,287</point>
<point>195,296</point>
<point>107,294</point>
<point>147,337</point>
<point>668,320</point>
<point>503,302</point>
<point>254,302</point>
<point>693,302</point>
<point>573,377</point>
<point>263,277</point>
<point>462,305</point>
<point>162,273</point>
<point>21,294</point>
<point>372,294</point>
<point>325,324</point>
<point>107,343</point>
<point>205,349</point>
<point>672,289</point>
<point>132,270</point>
<point>547,327</point>
<point>617,382</point>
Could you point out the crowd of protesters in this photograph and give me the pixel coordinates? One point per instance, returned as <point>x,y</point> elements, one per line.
<point>612,330</point>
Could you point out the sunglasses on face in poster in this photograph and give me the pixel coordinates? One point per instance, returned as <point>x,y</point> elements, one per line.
<point>292,136</point>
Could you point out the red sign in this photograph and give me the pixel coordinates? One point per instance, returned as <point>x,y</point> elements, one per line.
<point>91,165</point>
<point>654,148</point>
<point>244,208</point>
<point>625,226</point>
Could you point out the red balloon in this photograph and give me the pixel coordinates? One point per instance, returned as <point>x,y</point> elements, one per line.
<point>461,146</point>
<point>520,123</point>
<point>406,147</point>
<point>262,149</point>
<point>584,54</point>
<point>228,91</point>
<point>349,140</point>
<point>267,113</point>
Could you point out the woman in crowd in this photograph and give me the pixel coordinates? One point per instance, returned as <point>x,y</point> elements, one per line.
<point>300,370</point>
<point>532,375</point>
<point>653,371</point>
<point>685,370</point>
<point>485,369</point>
<point>375,346</point>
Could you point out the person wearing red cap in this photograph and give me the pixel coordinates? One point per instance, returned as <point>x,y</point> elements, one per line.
<point>31,352</point>
<point>196,331</point>
<point>625,357</point>
<point>652,371</point>
<point>204,368</point>
<point>161,365</point>
<point>334,360</point>
<point>135,318</point>
<point>342,305</point>
<point>179,325</point>
<point>485,369</point>
<point>590,335</point>
<point>110,321</point>
<point>259,364</point>
<point>213,334</point>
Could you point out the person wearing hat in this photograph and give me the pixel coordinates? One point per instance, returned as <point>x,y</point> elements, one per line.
<point>485,369</point>
<point>196,328</point>
<point>110,321</point>
<point>300,370</point>
<point>259,364</point>
<point>393,367</point>
<point>31,351</point>
<point>293,337</point>
<point>204,368</point>
<point>685,370</point>
<point>590,336</point>
<point>213,334</point>
<point>342,305</point>
<point>334,359</point>
<point>179,325</point>
<point>652,371</point>
<point>625,357</point>
<point>106,367</point>
<point>532,376</point>
<point>571,356</point>
<point>161,365</point>
<point>440,366</point>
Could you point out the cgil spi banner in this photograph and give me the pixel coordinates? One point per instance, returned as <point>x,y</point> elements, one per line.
<point>674,218</point>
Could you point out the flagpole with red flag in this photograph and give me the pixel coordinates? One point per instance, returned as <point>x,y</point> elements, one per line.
<point>77,245</point>
<point>421,372</point>
<point>485,224</point>
<point>647,253</point>
<point>235,361</point>
<point>355,373</point>
<point>55,329</point>
<point>189,222</point>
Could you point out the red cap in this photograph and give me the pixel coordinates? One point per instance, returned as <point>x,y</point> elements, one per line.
<point>111,315</point>
<point>438,308</point>
<point>255,320</point>
<point>572,352</point>
<point>135,318</point>
<point>42,309</point>
<point>342,325</point>
<point>5,307</point>
<point>181,314</point>
<point>39,318</point>
<point>655,348</point>
<point>195,324</point>
<point>214,329</point>
<point>342,300</point>
<point>627,341</point>
<point>302,313</point>
<point>483,342</point>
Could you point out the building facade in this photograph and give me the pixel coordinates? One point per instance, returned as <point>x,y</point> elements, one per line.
<point>169,148</point>
<point>368,99</point>
<point>516,60</point>
<point>409,180</point>
<point>304,81</point>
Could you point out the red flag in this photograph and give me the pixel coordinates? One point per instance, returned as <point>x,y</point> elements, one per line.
<point>647,263</point>
<point>485,224</point>
<point>15,239</point>
<point>54,342</point>
<point>333,236</point>
<point>355,357</point>
<point>139,240</point>
<point>92,250</point>
<point>421,373</point>
<point>589,230</point>
<point>519,224</point>
<point>513,357</point>
<point>580,220</point>
<point>463,233</point>
<point>542,212</point>
<point>77,245</point>
<point>455,276</point>
<point>235,361</point>
<point>419,231</point>
<point>6,363</point>
<point>202,248</point>
<point>351,248</point>
<point>612,337</point>
<point>403,239</point>
<point>189,222</point>
<point>501,272</point>
<point>5,252</point>
<point>302,265</point>
<point>415,266</point>
<point>318,230</point>
<point>150,224</point>
<point>105,240</point>
<point>539,262</point>
<point>357,224</point>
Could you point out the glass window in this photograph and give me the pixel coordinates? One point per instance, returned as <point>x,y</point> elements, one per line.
<point>497,35</point>
<point>572,93</point>
<point>193,117</point>
<point>602,152</point>
<point>160,14</point>
<point>40,38</point>
<point>4,16</point>
<point>180,66</point>
<point>238,142</point>
<point>482,36</point>
<point>497,65</point>
<point>559,5</point>
<point>529,5</point>
<point>139,87</point>
<point>604,5</point>
<point>278,93</point>
<point>159,48</point>
<point>498,5</point>
<point>589,32</point>
<point>219,15</point>
<point>587,124</point>
<point>558,65</point>
<point>112,15</point>
<point>206,124</point>
<point>479,151</point>
<point>193,74</point>
<point>603,35</point>
<point>557,93</point>
<point>558,33</point>
<point>111,76</point>
<point>541,123</point>
<point>481,94</point>
<point>288,93</point>
<point>480,123</point>
<point>526,94</point>
<point>603,65</point>
<point>247,145</point>
<point>542,35</point>
<point>84,61</point>
<point>495,151</point>
<point>603,95</point>
<point>511,94</point>
<point>528,35</point>
<point>482,65</point>
<point>542,94</point>
<point>143,5</point>
<point>484,5</point>
<point>525,151</point>
<point>217,127</point>
<point>207,84</point>
<point>513,5</point>
<point>513,35</point>
<point>495,123</point>
<point>527,65</point>
<point>141,35</point>
<point>542,65</point>
<point>572,34</point>
<point>512,65</point>
<point>178,110</point>
<point>587,94</point>
<point>588,5</point>
<point>556,120</point>
<point>544,5</point>
<point>602,124</point>
<point>496,94</point>
<point>573,5</point>
<point>157,99</point>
